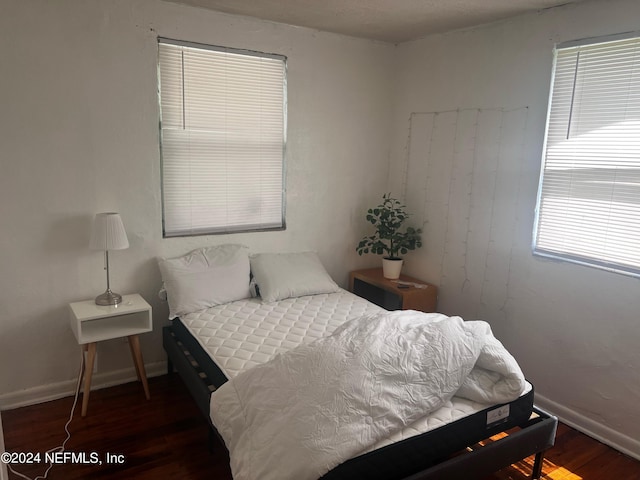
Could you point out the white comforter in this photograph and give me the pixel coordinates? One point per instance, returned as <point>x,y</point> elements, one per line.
<point>313,407</point>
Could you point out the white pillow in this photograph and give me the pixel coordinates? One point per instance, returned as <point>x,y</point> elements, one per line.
<point>205,277</point>
<point>285,275</point>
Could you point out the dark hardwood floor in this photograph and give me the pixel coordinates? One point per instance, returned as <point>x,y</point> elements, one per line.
<point>167,437</point>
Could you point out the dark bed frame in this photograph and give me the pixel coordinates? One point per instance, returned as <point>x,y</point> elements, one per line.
<point>452,457</point>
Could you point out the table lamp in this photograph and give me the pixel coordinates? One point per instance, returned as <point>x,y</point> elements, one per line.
<point>108,234</point>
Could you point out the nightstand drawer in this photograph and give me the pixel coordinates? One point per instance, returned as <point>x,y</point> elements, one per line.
<point>388,294</point>
<point>377,295</point>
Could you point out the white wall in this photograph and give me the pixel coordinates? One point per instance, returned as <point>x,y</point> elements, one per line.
<point>575,330</point>
<point>79,135</point>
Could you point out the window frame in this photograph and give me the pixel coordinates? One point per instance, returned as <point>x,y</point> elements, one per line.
<point>598,263</point>
<point>226,228</point>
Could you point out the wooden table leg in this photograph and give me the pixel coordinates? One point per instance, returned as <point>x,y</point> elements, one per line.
<point>90,348</point>
<point>136,353</point>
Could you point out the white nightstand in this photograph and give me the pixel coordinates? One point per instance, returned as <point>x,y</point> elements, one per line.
<point>93,323</point>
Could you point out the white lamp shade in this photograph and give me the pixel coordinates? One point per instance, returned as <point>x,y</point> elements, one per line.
<point>108,232</point>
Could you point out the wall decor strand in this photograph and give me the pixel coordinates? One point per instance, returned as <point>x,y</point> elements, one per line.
<point>462,179</point>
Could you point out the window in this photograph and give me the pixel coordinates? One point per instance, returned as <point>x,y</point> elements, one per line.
<point>223,117</point>
<point>589,196</point>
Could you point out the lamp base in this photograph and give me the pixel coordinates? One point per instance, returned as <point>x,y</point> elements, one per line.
<point>108,298</point>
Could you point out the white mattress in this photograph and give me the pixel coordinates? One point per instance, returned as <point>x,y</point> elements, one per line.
<point>245,333</point>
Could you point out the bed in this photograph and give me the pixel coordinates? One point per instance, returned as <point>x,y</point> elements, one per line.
<point>208,346</point>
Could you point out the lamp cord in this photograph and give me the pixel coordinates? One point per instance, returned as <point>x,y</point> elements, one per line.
<point>66,429</point>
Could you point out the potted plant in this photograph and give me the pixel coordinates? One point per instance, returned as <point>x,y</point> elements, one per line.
<point>388,240</point>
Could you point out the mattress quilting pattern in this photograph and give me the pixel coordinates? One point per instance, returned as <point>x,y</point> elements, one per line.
<point>245,333</point>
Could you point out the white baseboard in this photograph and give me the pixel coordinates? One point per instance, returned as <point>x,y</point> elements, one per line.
<point>622,443</point>
<point>54,391</point>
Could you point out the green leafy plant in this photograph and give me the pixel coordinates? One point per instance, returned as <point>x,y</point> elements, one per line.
<point>387,218</point>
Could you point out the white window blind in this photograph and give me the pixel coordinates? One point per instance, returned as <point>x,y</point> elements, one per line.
<point>589,196</point>
<point>223,116</point>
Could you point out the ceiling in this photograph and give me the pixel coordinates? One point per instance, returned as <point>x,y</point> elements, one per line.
<point>391,21</point>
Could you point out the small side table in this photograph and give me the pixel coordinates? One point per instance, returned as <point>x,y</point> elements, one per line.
<point>406,293</point>
<point>93,323</point>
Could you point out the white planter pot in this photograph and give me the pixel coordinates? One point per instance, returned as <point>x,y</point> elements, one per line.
<point>391,268</point>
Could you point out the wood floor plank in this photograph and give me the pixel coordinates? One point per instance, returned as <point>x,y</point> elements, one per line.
<point>167,437</point>
<point>164,434</point>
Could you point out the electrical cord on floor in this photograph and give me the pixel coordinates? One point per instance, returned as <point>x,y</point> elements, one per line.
<point>59,448</point>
